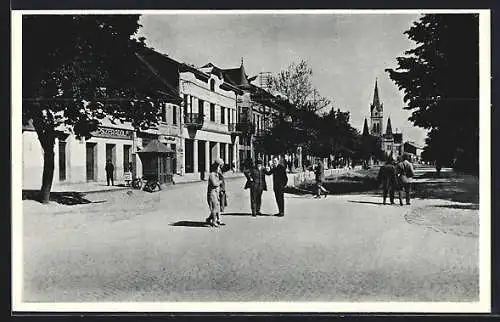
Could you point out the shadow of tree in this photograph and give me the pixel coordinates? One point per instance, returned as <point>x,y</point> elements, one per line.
<point>458,206</point>
<point>464,192</point>
<point>69,198</point>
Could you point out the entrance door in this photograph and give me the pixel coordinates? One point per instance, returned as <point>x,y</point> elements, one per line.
<point>111,155</point>
<point>162,169</point>
<point>91,161</point>
<point>188,156</point>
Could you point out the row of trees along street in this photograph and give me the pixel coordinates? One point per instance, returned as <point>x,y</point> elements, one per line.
<point>77,69</point>
<point>74,75</point>
<point>305,122</point>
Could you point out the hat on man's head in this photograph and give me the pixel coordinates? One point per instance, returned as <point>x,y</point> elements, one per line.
<point>219,161</point>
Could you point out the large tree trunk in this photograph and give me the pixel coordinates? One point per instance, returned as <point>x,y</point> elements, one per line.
<point>48,168</point>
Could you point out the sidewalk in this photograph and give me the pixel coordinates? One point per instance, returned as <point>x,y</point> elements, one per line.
<point>101,186</point>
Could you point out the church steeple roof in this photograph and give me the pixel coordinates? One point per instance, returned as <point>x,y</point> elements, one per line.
<point>365,128</point>
<point>243,76</point>
<point>388,131</point>
<point>376,99</point>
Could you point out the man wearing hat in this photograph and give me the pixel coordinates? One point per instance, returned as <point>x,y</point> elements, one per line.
<point>256,182</point>
<point>404,170</point>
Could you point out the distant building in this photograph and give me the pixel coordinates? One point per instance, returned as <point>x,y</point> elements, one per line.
<point>413,149</point>
<point>390,143</point>
<point>257,109</point>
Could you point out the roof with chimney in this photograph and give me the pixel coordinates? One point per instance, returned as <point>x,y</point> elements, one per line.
<point>234,76</point>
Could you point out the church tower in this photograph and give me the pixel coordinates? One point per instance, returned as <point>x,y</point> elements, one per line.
<point>376,114</point>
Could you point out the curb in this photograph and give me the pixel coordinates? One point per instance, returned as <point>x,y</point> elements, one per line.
<point>172,185</point>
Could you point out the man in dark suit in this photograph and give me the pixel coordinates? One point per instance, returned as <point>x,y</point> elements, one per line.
<point>110,169</point>
<point>404,170</point>
<point>388,178</point>
<point>256,182</point>
<point>280,179</point>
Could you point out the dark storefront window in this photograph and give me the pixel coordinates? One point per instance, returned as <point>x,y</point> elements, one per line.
<point>62,160</point>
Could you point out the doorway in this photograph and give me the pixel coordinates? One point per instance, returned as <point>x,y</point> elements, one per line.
<point>111,155</point>
<point>91,160</point>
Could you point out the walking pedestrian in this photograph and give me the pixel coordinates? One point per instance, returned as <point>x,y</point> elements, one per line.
<point>404,170</point>
<point>213,191</point>
<point>388,178</point>
<point>319,172</point>
<point>110,169</point>
<point>280,179</point>
<point>256,182</point>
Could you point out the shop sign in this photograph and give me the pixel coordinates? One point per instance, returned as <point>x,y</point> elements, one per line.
<point>108,132</point>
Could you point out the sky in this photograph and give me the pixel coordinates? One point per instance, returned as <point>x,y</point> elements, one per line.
<point>347,52</point>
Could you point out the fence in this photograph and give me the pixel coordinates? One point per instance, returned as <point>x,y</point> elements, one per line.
<point>301,177</point>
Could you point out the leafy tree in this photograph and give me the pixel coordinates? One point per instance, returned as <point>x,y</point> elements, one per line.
<point>295,83</point>
<point>440,80</point>
<point>78,69</point>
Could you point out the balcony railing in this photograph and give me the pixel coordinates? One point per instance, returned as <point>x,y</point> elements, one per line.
<point>244,128</point>
<point>193,120</point>
<point>261,132</point>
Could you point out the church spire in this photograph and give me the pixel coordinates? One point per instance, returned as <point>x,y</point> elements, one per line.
<point>389,127</point>
<point>365,128</point>
<point>376,99</point>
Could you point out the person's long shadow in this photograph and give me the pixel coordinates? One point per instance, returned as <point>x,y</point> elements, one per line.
<point>188,223</point>
<point>366,202</point>
<point>244,214</point>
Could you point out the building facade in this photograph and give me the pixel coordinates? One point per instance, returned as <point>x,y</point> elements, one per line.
<point>209,109</point>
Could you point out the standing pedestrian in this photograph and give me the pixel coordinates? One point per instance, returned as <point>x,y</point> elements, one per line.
<point>110,169</point>
<point>319,173</point>
<point>256,182</point>
<point>404,170</point>
<point>388,178</point>
<point>213,191</point>
<point>280,179</point>
<point>222,194</point>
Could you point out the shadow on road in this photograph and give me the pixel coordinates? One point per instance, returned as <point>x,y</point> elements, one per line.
<point>458,206</point>
<point>366,202</point>
<point>187,223</point>
<point>465,190</point>
<point>244,214</point>
<point>69,198</point>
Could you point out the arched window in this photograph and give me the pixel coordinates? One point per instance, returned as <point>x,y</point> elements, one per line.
<point>212,85</point>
